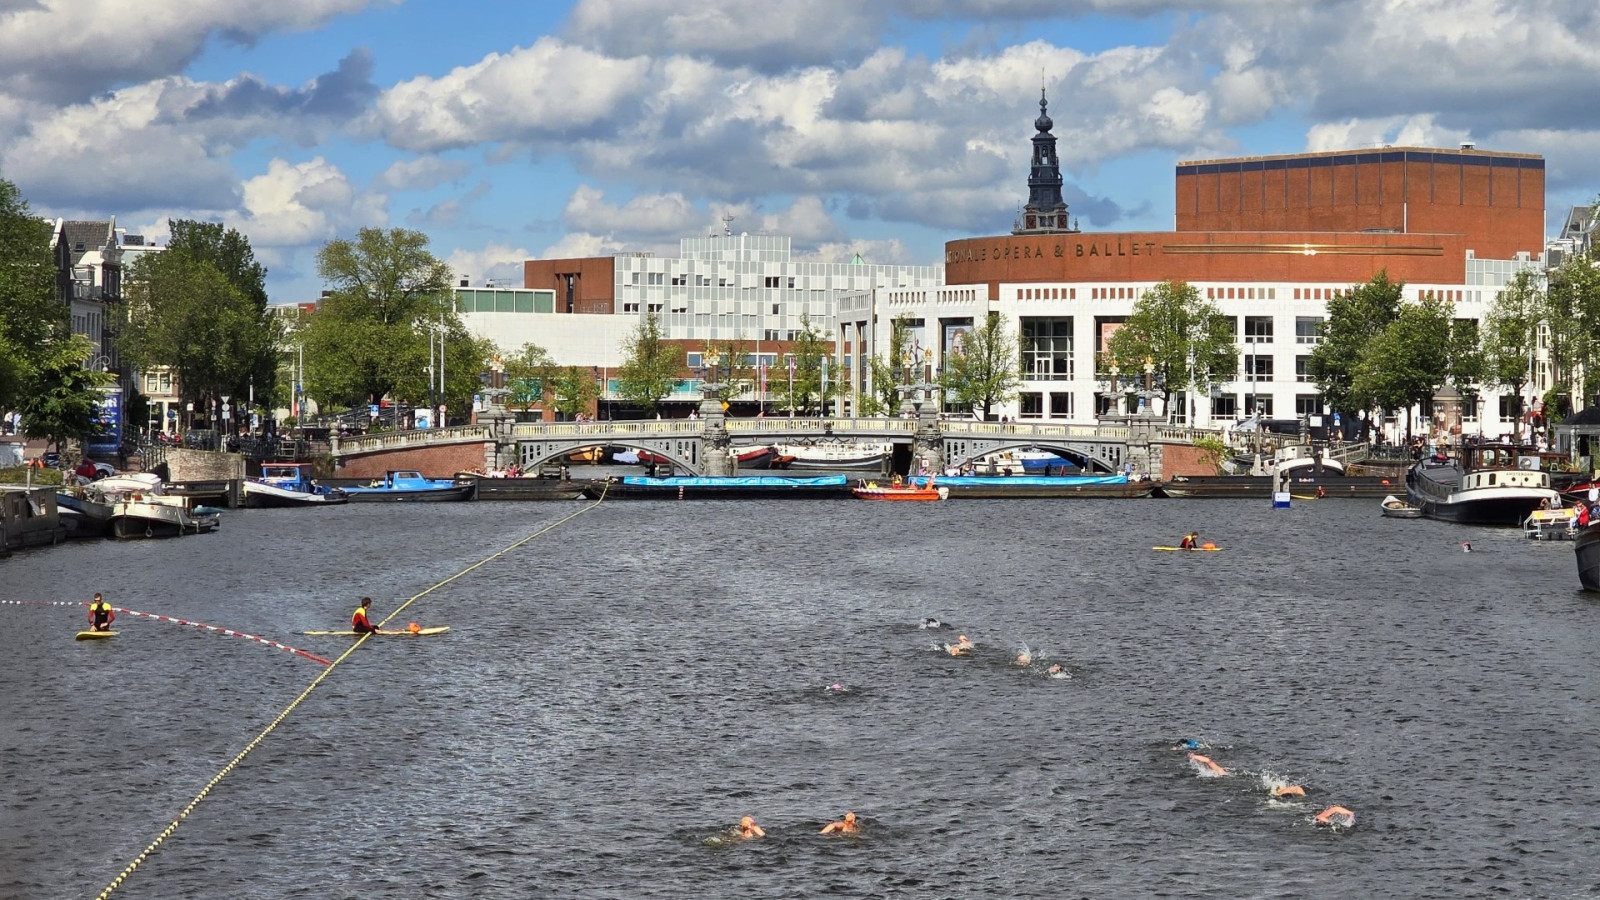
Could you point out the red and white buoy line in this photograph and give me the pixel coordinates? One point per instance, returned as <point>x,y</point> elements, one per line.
<point>225,631</point>
<point>176,621</point>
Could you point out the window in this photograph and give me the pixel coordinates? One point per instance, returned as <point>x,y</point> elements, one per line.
<point>1307,405</point>
<point>1469,408</point>
<point>790,282</point>
<point>658,277</point>
<point>1060,405</point>
<point>774,309</point>
<point>771,281</point>
<point>1225,407</point>
<point>1258,329</point>
<point>1302,369</point>
<point>636,277</point>
<point>695,360</point>
<point>1509,407</point>
<point>1263,407</point>
<point>1307,330</point>
<point>680,280</point>
<point>1257,367</point>
<point>1047,349</point>
<point>1179,407</point>
<point>630,307</point>
<point>1032,405</point>
<point>150,383</point>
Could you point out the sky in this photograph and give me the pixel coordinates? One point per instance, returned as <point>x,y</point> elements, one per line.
<point>509,130</point>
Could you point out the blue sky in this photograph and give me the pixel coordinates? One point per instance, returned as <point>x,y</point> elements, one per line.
<point>514,130</point>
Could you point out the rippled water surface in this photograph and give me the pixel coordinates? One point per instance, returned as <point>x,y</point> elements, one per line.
<point>619,690</point>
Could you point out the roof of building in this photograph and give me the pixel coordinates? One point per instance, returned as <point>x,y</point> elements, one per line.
<point>1387,154</point>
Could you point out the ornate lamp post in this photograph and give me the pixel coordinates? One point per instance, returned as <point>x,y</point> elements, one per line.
<point>716,458</point>
<point>1116,389</point>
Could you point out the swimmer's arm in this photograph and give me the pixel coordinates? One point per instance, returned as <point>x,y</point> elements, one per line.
<point>758,831</point>
<point>831,827</point>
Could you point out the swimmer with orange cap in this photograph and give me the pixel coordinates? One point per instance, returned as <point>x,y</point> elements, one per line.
<point>1336,817</point>
<point>962,647</point>
<point>1206,763</point>
<point>847,825</point>
<point>749,829</point>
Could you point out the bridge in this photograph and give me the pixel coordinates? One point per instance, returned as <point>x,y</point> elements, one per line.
<point>708,445</point>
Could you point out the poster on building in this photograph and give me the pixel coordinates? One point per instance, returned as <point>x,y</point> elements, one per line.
<point>955,336</point>
<point>105,438</point>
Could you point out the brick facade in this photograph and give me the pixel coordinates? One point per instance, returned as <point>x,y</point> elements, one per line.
<point>440,461</point>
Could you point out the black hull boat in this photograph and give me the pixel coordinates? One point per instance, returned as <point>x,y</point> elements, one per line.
<point>1586,546</point>
<point>1484,487</point>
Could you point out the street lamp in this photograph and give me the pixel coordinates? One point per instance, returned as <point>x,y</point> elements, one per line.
<point>1116,388</point>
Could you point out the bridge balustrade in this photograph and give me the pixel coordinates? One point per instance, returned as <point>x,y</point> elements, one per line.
<point>421,437</point>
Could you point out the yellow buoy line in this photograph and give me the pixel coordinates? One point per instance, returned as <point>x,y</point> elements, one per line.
<point>256,741</point>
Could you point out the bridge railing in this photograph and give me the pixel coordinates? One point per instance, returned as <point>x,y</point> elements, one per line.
<point>1029,429</point>
<point>821,426</point>
<point>608,428</point>
<point>398,440</point>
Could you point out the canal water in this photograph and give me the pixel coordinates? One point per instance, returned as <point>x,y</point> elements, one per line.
<point>617,692</point>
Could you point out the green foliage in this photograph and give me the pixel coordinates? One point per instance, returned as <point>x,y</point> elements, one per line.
<point>371,335</point>
<point>987,370</point>
<point>573,390</point>
<point>187,314</point>
<point>1572,321</point>
<point>527,372</point>
<point>59,401</point>
<point>230,252</point>
<point>32,320</point>
<point>1212,451</point>
<point>734,367</point>
<point>1511,333</point>
<point>649,367</point>
<point>1408,361</point>
<point>887,377</point>
<point>809,394</point>
<point>1186,338</point>
<point>24,474</point>
<point>1355,317</point>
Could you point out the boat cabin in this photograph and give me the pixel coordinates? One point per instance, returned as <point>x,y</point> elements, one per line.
<point>1504,478</point>
<point>286,473</point>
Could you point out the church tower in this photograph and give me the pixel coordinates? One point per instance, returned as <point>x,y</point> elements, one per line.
<point>1046,212</point>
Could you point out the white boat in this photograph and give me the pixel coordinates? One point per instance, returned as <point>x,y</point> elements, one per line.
<point>1489,484</point>
<point>289,484</point>
<point>1395,508</point>
<point>141,507</point>
<point>836,454</point>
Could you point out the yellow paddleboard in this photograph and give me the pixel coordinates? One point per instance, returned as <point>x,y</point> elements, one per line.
<point>1190,549</point>
<point>397,632</point>
<point>95,635</point>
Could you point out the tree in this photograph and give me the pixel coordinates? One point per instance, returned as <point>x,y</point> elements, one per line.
<point>1511,334</point>
<point>987,369</point>
<point>573,390</point>
<point>810,393</point>
<point>32,319</point>
<point>528,373</point>
<point>1186,339</point>
<point>735,366</point>
<point>884,398</point>
<point>186,314</point>
<point>1408,361</point>
<point>59,402</point>
<point>1355,317</point>
<point>230,252</point>
<point>650,366</point>
<point>370,337</point>
<point>1571,319</point>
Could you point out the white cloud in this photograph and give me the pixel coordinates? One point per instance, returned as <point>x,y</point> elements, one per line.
<point>579,244</point>
<point>306,203</point>
<point>66,50</point>
<point>497,261</point>
<point>654,215</point>
<point>548,90</point>
<point>421,173</point>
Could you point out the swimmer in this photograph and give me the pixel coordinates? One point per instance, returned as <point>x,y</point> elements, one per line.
<point>1336,817</point>
<point>964,641</point>
<point>836,686</point>
<point>1055,671</point>
<point>1466,547</point>
<point>845,826</point>
<point>1288,790</point>
<point>1024,659</point>
<point>1188,744</point>
<point>962,647</point>
<point>748,829</point>
<point>932,623</point>
<point>1206,764</point>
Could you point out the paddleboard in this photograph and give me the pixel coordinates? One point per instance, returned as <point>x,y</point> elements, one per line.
<point>399,632</point>
<point>95,635</point>
<point>1190,549</point>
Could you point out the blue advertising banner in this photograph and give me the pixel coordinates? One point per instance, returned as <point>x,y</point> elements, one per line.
<point>106,436</point>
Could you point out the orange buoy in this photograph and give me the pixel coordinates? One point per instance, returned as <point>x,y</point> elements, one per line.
<point>413,628</point>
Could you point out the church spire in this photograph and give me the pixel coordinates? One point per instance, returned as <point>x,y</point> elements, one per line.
<point>1046,212</point>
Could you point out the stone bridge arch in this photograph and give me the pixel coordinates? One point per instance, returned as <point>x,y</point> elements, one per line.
<point>1092,456</point>
<point>684,453</point>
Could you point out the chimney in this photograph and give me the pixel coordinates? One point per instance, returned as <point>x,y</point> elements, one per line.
<point>1468,145</point>
<point>463,282</point>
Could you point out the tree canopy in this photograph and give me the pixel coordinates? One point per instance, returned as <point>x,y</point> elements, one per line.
<point>528,372</point>
<point>1408,361</point>
<point>650,365</point>
<point>186,313</point>
<point>887,378</point>
<point>370,338</point>
<point>986,370</point>
<point>62,395</point>
<point>811,392</point>
<point>1511,334</point>
<point>573,389</point>
<point>1356,317</point>
<point>32,319</point>
<point>1186,339</point>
